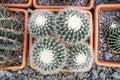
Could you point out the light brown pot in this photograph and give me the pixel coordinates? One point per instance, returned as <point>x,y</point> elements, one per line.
<point>26,5</point>
<point>61,7</point>
<point>63,70</point>
<point>103,7</point>
<point>25,47</point>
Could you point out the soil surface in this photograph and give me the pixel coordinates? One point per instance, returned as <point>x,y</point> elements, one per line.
<point>105,52</point>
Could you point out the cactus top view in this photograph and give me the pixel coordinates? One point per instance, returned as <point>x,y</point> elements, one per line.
<point>10,38</point>
<point>41,23</point>
<point>47,55</point>
<point>73,25</point>
<point>114,42</point>
<point>80,57</point>
<point>112,27</point>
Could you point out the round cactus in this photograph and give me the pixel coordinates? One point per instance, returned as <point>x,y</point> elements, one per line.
<point>41,23</point>
<point>48,55</point>
<point>73,25</point>
<point>112,27</point>
<point>80,57</point>
<point>113,42</point>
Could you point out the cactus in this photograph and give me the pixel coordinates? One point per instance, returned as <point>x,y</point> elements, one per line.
<point>47,55</point>
<point>112,27</point>
<point>79,57</point>
<point>10,37</point>
<point>73,25</point>
<point>41,23</point>
<point>113,42</point>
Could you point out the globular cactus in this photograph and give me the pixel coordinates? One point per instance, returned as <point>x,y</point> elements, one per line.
<point>47,55</point>
<point>10,37</point>
<point>112,27</point>
<point>79,57</point>
<point>113,42</point>
<point>73,25</point>
<point>41,23</point>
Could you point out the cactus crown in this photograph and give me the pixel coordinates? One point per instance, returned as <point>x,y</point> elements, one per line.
<point>41,23</point>
<point>10,37</point>
<point>113,42</point>
<point>48,55</point>
<point>112,27</point>
<point>79,57</point>
<point>73,25</point>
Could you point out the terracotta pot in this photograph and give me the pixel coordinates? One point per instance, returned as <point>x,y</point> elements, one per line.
<point>64,70</point>
<point>24,40</point>
<point>61,7</point>
<point>26,5</point>
<point>103,7</point>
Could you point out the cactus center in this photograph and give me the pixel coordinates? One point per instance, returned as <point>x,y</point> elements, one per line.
<point>80,58</point>
<point>46,56</point>
<point>113,25</point>
<point>74,22</point>
<point>40,21</point>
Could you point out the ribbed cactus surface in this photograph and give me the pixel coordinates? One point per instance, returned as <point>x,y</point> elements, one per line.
<point>10,37</point>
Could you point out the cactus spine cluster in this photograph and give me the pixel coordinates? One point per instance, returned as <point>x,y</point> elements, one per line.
<point>80,57</point>
<point>41,23</point>
<point>10,38</point>
<point>73,25</point>
<point>48,55</point>
<point>112,27</point>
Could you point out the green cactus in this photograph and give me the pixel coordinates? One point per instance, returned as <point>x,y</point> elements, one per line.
<point>47,55</point>
<point>41,23</point>
<point>112,27</point>
<point>79,57</point>
<point>10,37</point>
<point>113,42</point>
<point>73,25</point>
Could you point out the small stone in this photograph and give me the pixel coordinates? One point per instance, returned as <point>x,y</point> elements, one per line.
<point>8,74</point>
<point>107,55</point>
<point>25,71</point>
<point>19,72</point>
<point>12,78</point>
<point>4,78</point>
<point>30,71</point>
<point>115,75</point>
<point>102,75</point>
<point>95,74</point>
<point>2,73</point>
<point>22,77</point>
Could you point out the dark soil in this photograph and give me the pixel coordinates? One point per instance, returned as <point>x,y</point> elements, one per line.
<point>64,2</point>
<point>106,2</point>
<point>104,52</point>
<point>14,1</point>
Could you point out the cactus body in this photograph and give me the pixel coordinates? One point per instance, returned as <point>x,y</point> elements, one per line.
<point>10,38</point>
<point>112,27</point>
<point>41,23</point>
<point>79,57</point>
<point>73,25</point>
<point>113,42</point>
<point>48,55</point>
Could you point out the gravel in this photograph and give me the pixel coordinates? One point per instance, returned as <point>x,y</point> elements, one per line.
<point>96,73</point>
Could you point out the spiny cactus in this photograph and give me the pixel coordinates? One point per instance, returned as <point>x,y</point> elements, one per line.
<point>80,57</point>
<point>10,37</point>
<point>47,55</point>
<point>73,25</point>
<point>112,27</point>
<point>113,42</point>
<point>41,23</point>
